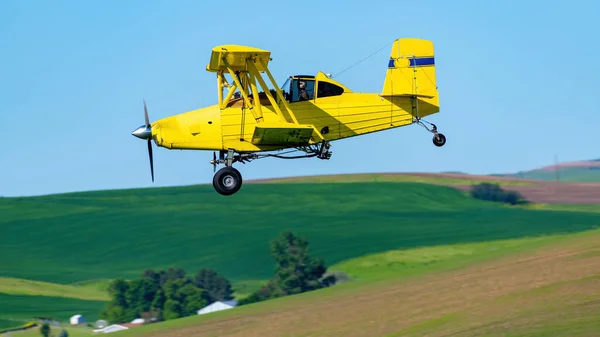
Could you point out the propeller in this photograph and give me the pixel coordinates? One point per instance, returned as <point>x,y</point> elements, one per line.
<point>145,132</point>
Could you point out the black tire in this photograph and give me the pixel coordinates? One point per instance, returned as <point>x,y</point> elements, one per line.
<point>227,181</point>
<point>439,140</point>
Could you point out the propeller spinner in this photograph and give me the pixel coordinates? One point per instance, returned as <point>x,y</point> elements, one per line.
<point>145,132</point>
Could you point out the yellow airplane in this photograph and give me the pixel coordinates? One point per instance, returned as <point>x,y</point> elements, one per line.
<point>305,114</point>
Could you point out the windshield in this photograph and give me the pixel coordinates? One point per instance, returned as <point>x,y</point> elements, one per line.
<point>286,85</point>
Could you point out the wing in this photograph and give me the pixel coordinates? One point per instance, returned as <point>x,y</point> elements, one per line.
<point>235,57</point>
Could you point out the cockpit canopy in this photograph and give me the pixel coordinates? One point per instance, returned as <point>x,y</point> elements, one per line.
<point>302,87</point>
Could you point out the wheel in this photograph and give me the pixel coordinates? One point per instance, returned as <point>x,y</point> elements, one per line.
<point>439,140</point>
<point>227,181</point>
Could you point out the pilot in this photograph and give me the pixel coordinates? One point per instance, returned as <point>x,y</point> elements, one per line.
<point>303,93</point>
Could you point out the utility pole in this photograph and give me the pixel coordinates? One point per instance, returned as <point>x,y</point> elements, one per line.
<point>556,167</point>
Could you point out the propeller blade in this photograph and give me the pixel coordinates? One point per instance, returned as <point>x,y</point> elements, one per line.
<point>214,162</point>
<point>151,159</point>
<point>146,114</point>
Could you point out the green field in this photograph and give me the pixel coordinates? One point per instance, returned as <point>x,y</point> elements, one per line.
<point>77,241</point>
<point>100,235</point>
<point>58,307</point>
<point>16,310</point>
<point>529,303</point>
<point>94,290</point>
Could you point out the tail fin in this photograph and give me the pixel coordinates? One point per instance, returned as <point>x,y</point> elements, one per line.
<point>411,71</point>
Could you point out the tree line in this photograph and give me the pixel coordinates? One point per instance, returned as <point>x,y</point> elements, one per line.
<point>164,294</point>
<point>170,294</point>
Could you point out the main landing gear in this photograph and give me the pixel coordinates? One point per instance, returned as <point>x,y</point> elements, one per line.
<point>439,139</point>
<point>228,180</point>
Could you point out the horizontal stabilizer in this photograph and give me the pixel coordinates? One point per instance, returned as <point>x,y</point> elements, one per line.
<point>282,134</point>
<point>408,95</point>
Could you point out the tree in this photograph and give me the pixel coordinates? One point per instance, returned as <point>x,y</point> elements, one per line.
<point>159,301</point>
<point>141,294</point>
<point>296,271</point>
<point>493,192</point>
<point>118,308</point>
<point>192,299</point>
<point>172,309</point>
<point>217,286</point>
<point>118,291</point>
<point>172,274</point>
<point>63,333</point>
<point>45,330</point>
<point>268,291</point>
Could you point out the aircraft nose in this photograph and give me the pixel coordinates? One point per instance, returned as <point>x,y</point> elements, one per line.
<point>143,132</point>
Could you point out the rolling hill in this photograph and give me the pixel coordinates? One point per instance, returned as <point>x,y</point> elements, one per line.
<point>577,171</point>
<point>547,286</point>
<point>88,237</point>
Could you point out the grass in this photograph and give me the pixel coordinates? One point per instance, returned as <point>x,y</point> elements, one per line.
<point>570,208</point>
<point>105,237</point>
<point>389,265</point>
<point>17,310</point>
<point>68,246</point>
<point>73,331</point>
<point>504,288</point>
<point>9,323</point>
<point>14,286</point>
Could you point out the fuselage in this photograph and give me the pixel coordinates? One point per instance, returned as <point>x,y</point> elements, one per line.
<point>337,114</point>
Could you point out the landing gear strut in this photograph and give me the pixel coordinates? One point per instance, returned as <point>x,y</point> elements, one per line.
<point>228,180</point>
<point>439,139</point>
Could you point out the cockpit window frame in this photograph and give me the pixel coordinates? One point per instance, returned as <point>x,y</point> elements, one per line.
<point>311,82</point>
<point>334,90</point>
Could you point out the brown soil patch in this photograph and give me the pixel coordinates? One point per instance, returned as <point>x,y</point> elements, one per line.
<point>413,174</point>
<point>538,191</point>
<point>485,298</point>
<point>555,193</point>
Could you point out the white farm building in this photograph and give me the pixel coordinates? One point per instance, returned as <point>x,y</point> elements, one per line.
<point>77,319</point>
<point>217,306</point>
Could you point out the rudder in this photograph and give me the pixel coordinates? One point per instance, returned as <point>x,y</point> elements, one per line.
<point>411,71</point>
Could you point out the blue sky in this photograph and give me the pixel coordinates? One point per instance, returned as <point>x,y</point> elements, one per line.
<point>517,82</point>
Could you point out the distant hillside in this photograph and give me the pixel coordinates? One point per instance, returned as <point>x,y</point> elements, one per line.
<point>100,235</point>
<point>75,237</point>
<point>576,171</point>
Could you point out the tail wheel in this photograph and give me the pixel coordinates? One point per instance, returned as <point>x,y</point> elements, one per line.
<point>227,181</point>
<point>439,140</point>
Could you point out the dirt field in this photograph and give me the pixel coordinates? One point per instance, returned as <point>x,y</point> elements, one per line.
<point>556,193</point>
<point>546,192</point>
<point>558,285</point>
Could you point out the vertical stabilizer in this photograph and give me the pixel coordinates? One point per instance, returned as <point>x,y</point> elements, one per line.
<point>411,71</point>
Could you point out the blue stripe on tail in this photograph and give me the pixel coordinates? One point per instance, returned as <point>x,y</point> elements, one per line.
<point>423,61</point>
<point>416,62</point>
